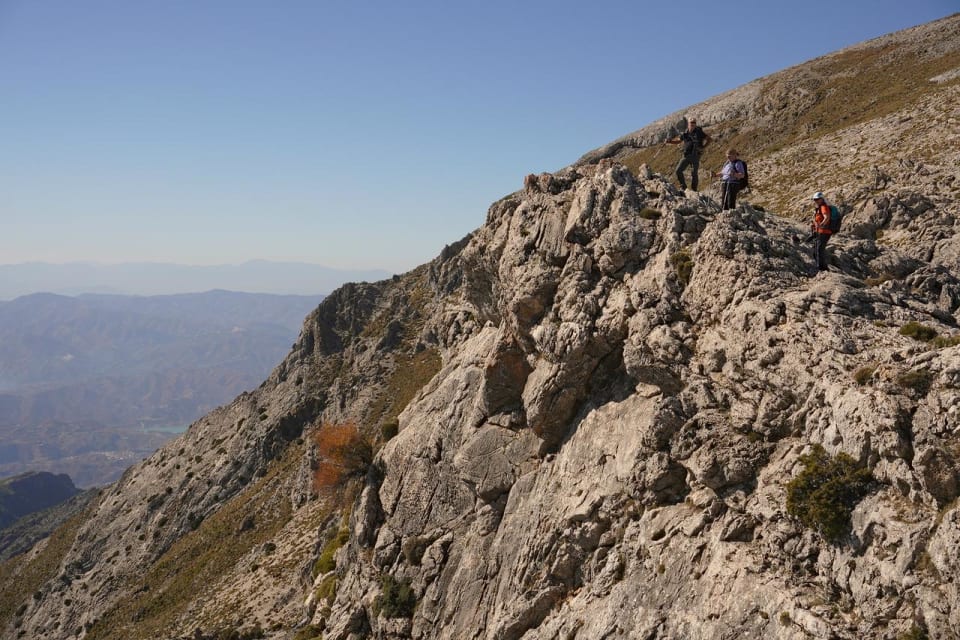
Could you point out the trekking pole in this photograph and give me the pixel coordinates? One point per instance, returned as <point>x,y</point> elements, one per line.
<point>662,144</point>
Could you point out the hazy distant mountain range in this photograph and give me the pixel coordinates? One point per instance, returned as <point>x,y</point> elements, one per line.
<point>255,276</point>
<point>87,382</point>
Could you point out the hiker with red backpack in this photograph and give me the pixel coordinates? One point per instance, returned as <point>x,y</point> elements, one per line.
<point>826,222</point>
<point>733,178</point>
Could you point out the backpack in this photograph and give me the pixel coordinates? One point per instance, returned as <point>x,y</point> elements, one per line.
<point>836,217</point>
<point>745,180</point>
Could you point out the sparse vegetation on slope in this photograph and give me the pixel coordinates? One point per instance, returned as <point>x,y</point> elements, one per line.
<point>22,577</point>
<point>198,559</point>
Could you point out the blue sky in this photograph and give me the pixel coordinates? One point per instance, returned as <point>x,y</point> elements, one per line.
<point>348,134</point>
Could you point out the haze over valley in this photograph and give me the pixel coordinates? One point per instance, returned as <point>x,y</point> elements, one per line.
<point>91,384</point>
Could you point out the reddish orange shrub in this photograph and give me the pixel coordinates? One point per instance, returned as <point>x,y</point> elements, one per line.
<point>344,454</point>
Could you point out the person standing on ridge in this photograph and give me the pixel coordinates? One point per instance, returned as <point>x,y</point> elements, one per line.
<point>694,140</point>
<point>731,178</point>
<point>821,229</point>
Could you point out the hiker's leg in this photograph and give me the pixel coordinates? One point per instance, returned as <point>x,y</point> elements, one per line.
<point>724,190</point>
<point>732,190</point>
<point>680,167</point>
<point>821,246</point>
<point>694,179</point>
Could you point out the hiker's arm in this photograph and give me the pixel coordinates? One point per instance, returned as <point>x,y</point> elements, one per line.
<point>672,141</point>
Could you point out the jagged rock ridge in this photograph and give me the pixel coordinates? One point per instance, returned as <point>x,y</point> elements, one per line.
<point>629,378</point>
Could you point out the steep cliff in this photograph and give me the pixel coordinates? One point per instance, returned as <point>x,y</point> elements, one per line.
<point>616,407</point>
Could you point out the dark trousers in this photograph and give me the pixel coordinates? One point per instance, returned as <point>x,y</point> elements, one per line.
<point>728,194</point>
<point>820,250</point>
<point>689,162</point>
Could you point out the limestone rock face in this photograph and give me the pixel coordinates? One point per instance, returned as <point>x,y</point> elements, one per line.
<point>600,398</point>
<point>667,373</point>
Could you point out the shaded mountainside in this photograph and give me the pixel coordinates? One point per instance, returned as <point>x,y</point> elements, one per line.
<point>613,411</point>
<point>31,492</point>
<point>37,525</point>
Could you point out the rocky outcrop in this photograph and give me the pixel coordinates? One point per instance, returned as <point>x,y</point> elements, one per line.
<point>607,454</point>
<point>607,393</point>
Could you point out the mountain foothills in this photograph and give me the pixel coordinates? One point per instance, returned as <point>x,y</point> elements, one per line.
<point>613,411</point>
<point>91,384</point>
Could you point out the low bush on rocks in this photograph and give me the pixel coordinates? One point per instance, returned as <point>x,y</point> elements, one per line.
<point>397,599</point>
<point>309,632</point>
<point>326,562</point>
<point>389,429</point>
<point>825,492</point>
<point>327,591</point>
<point>648,213</point>
<point>918,331</point>
<point>917,380</point>
<point>863,375</point>
<point>682,261</point>
<point>941,342</point>
<point>915,633</point>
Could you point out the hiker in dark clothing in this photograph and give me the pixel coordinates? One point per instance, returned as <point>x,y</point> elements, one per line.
<point>820,228</point>
<point>731,178</point>
<point>694,140</point>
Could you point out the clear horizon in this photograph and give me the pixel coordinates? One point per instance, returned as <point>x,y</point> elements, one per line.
<point>363,136</point>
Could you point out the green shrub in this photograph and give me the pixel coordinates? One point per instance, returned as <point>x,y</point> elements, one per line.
<point>863,375</point>
<point>648,213</point>
<point>824,494</point>
<point>397,599</point>
<point>389,429</point>
<point>327,591</point>
<point>682,261</point>
<point>309,632</point>
<point>946,341</point>
<point>916,633</point>
<point>326,562</point>
<point>918,380</point>
<point>918,331</point>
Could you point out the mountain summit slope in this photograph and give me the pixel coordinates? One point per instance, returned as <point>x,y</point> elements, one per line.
<point>620,413</point>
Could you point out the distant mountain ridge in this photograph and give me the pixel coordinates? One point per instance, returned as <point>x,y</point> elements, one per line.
<point>255,276</point>
<point>86,382</point>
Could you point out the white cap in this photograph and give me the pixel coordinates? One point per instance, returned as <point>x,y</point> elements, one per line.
<point>818,196</point>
